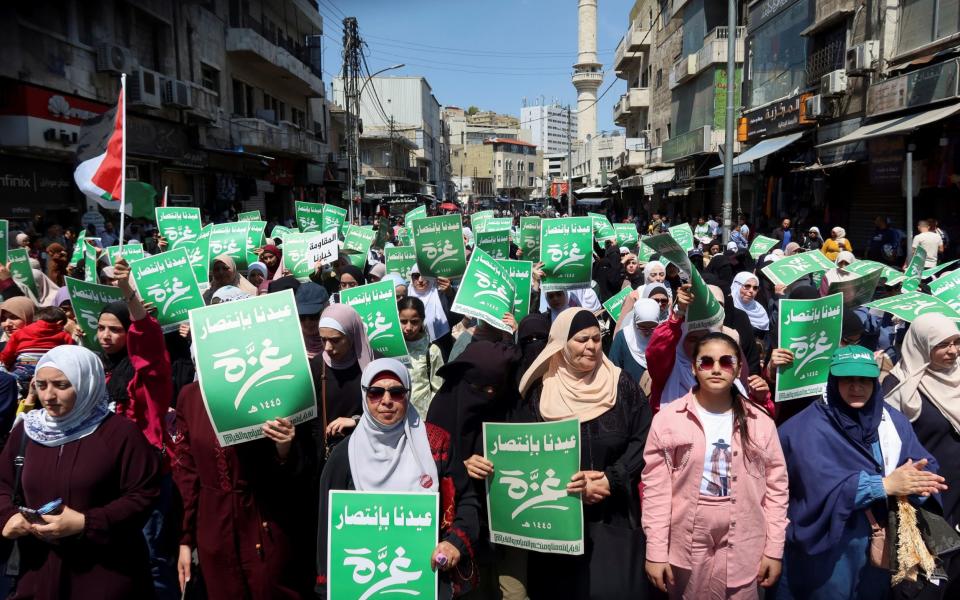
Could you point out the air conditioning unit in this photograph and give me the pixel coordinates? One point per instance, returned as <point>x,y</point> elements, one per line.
<point>816,107</point>
<point>862,57</point>
<point>113,59</point>
<point>834,83</point>
<point>143,88</point>
<point>176,93</point>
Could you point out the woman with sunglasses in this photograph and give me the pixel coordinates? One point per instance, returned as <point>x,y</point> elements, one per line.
<point>629,347</point>
<point>846,456</point>
<point>436,296</point>
<point>394,450</point>
<point>715,486</point>
<point>573,379</point>
<point>744,290</point>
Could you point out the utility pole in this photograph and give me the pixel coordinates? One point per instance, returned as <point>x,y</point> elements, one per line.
<point>351,80</point>
<point>569,167</point>
<point>729,138</point>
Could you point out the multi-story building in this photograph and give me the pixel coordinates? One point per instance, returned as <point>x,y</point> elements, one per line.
<point>481,126</point>
<point>550,126</point>
<point>225,101</point>
<point>516,167</point>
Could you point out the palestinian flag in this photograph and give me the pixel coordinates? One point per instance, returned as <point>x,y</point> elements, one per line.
<point>100,178</point>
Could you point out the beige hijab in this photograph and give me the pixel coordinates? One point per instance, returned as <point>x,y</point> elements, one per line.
<point>942,388</point>
<point>566,392</point>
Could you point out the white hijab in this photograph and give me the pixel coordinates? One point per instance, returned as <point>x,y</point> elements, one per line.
<point>681,379</point>
<point>393,458</point>
<point>584,297</point>
<point>644,310</point>
<point>758,316</point>
<point>436,320</point>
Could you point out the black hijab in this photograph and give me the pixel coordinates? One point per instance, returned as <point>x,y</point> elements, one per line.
<point>532,336</point>
<point>354,272</point>
<point>117,366</point>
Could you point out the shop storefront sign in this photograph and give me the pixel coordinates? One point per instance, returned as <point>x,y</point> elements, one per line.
<point>28,185</point>
<point>41,118</point>
<point>685,144</point>
<point>886,159</point>
<point>917,88</point>
<point>776,118</point>
<point>763,11</point>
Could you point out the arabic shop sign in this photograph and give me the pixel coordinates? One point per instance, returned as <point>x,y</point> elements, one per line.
<point>379,545</point>
<point>777,117</point>
<point>917,88</point>
<point>686,144</point>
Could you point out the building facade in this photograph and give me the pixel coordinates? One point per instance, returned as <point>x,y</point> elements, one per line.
<point>516,166</point>
<point>550,126</point>
<point>225,101</point>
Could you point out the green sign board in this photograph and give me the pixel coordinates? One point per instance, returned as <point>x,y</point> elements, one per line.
<point>250,215</point>
<point>178,224</point>
<point>88,300</point>
<point>705,311</point>
<point>495,243</point>
<point>400,259</point>
<point>530,238</point>
<point>910,305</point>
<point>356,243</point>
<point>761,245</point>
<point>811,330</point>
<point>791,268</point>
<point>229,239</point>
<point>566,249</point>
<point>602,229</point>
<point>947,288</point>
<point>439,245</point>
<point>521,272</point>
<point>615,304</point>
<point>486,292</point>
<point>627,234</point>
<point>376,303</point>
<point>21,270</point>
<point>309,215</point>
<point>167,280</point>
<point>334,217</point>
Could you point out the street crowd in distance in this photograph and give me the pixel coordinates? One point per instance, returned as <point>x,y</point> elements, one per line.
<point>776,415</point>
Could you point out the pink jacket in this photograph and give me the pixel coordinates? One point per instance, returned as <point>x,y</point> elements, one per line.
<point>674,457</point>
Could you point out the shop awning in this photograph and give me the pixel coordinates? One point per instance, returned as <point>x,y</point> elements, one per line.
<point>743,162</point>
<point>588,190</point>
<point>651,179</point>
<point>824,167</point>
<point>898,126</point>
<point>680,191</point>
<point>591,201</point>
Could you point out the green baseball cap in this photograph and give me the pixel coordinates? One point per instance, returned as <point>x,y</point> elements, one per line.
<point>854,361</point>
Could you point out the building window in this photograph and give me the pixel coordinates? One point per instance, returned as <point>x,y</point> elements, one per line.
<point>530,167</point>
<point>530,184</point>
<point>242,99</point>
<point>925,21</point>
<point>298,117</point>
<point>659,78</point>
<point>210,78</point>
<point>778,53</point>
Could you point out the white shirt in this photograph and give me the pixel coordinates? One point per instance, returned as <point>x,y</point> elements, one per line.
<point>718,433</point>
<point>930,240</point>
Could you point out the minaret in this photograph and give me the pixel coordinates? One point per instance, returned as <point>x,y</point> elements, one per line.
<point>587,75</point>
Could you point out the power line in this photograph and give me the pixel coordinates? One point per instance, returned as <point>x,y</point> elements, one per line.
<point>470,71</point>
<point>334,7</point>
<point>530,69</point>
<point>481,52</point>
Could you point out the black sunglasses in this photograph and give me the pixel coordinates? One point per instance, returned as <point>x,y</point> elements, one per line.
<point>377,392</point>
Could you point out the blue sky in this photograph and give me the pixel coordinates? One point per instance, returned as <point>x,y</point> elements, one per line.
<point>487,53</point>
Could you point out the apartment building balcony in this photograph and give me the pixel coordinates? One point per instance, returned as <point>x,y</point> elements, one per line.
<point>676,8</point>
<point>253,42</point>
<point>829,13</point>
<point>634,101</point>
<point>714,49</point>
<point>384,172</point>
<point>206,104</point>
<point>683,70</point>
<point>261,135</point>
<point>632,46</point>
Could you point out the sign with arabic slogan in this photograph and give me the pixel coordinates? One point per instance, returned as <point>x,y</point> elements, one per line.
<point>479,219</point>
<point>229,239</point>
<point>627,234</point>
<point>309,215</point>
<point>400,259</point>
<point>197,254</point>
<point>414,214</point>
<point>21,270</point>
<point>530,238</point>
<point>78,248</point>
<point>439,244</point>
<point>521,272</point>
<point>914,270</point>
<point>376,303</point>
<point>302,251</point>
<point>255,240</point>
<point>644,252</point>
<point>941,267</point>
<point>910,305</point>
<point>334,217</point>
<point>178,224</point>
<point>279,231</point>
<point>252,365</point>
<point>380,545</point>
<point>358,240</point>
<point>706,311</point>
<point>858,290</point>
<point>88,300</point>
<point>888,273</point>
<point>761,245</point>
<point>614,305</point>
<point>602,229</point>
<point>250,215</point>
<point>130,252</point>
<point>684,236</point>
<point>89,262</point>
<point>947,288</point>
<point>811,330</point>
<point>494,243</point>
<point>527,498</point>
<point>791,268</point>
<point>167,280</point>
<point>486,292</point>
<point>566,249</point>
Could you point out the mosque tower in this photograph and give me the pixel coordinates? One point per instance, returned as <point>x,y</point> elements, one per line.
<point>587,74</point>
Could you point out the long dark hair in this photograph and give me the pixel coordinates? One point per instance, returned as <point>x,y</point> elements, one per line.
<point>739,410</point>
<point>416,304</point>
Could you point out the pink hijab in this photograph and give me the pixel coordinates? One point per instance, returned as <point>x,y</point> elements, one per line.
<point>345,319</point>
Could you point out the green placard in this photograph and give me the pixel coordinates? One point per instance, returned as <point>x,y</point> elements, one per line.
<point>380,545</point>
<point>88,300</point>
<point>5,240</point>
<point>705,312</point>
<point>197,258</point>
<point>811,330</point>
<point>168,281</point>
<point>90,262</point>
<point>914,271</point>
<point>334,217</point>
<point>439,245</point>
<point>761,245</point>
<point>494,243</point>
<point>947,288</point>
<point>376,303</point>
<point>78,248</point>
<point>627,234</point>
<point>252,365</point>
<point>255,240</point>
<point>486,292</point>
<point>888,273</point>
<point>644,252</point>
<point>358,239</point>
<point>414,214</point>
<point>521,272</point>
<point>478,219</point>
<point>684,236</point>
<point>602,229</point>
<point>530,238</point>
<point>791,268</point>
<point>309,215</point>
<point>566,249</point>
<point>934,270</point>
<point>250,215</point>
<point>858,290</point>
<point>400,259</point>
<point>527,499</point>
<point>229,239</point>
<point>178,224</point>
<point>403,234</point>
<point>910,305</point>
<point>497,224</point>
<point>130,253</point>
<point>20,269</point>
<point>615,304</point>
<point>279,231</point>
<point>296,257</point>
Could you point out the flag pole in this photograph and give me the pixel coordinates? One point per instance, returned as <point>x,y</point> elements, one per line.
<point>165,195</point>
<point>123,157</point>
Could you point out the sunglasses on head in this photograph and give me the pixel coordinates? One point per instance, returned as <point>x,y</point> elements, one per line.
<point>727,363</point>
<point>376,392</point>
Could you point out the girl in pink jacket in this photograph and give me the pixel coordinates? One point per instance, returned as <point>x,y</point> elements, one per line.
<point>715,486</point>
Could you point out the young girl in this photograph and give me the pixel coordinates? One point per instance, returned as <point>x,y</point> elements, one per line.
<point>424,358</point>
<point>715,486</point>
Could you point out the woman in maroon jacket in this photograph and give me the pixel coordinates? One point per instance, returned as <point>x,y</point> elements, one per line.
<point>101,468</point>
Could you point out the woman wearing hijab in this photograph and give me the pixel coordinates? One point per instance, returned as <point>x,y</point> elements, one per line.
<point>813,241</point>
<point>394,450</point>
<point>837,243</point>
<point>350,277</point>
<point>436,305</point>
<point>925,386</point>
<point>224,272</point>
<point>271,256</point>
<point>244,506</point>
<point>654,272</point>
<point>845,457</point>
<point>103,470</point>
<point>46,288</point>
<point>377,272</point>
<point>337,372</point>
<point>532,333</point>
<point>573,379</point>
<point>15,313</point>
<point>631,274</point>
<point>791,249</point>
<point>744,291</point>
<point>839,273</point>
<point>629,347</point>
<point>256,273</point>
<point>57,261</point>
<point>63,302</point>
